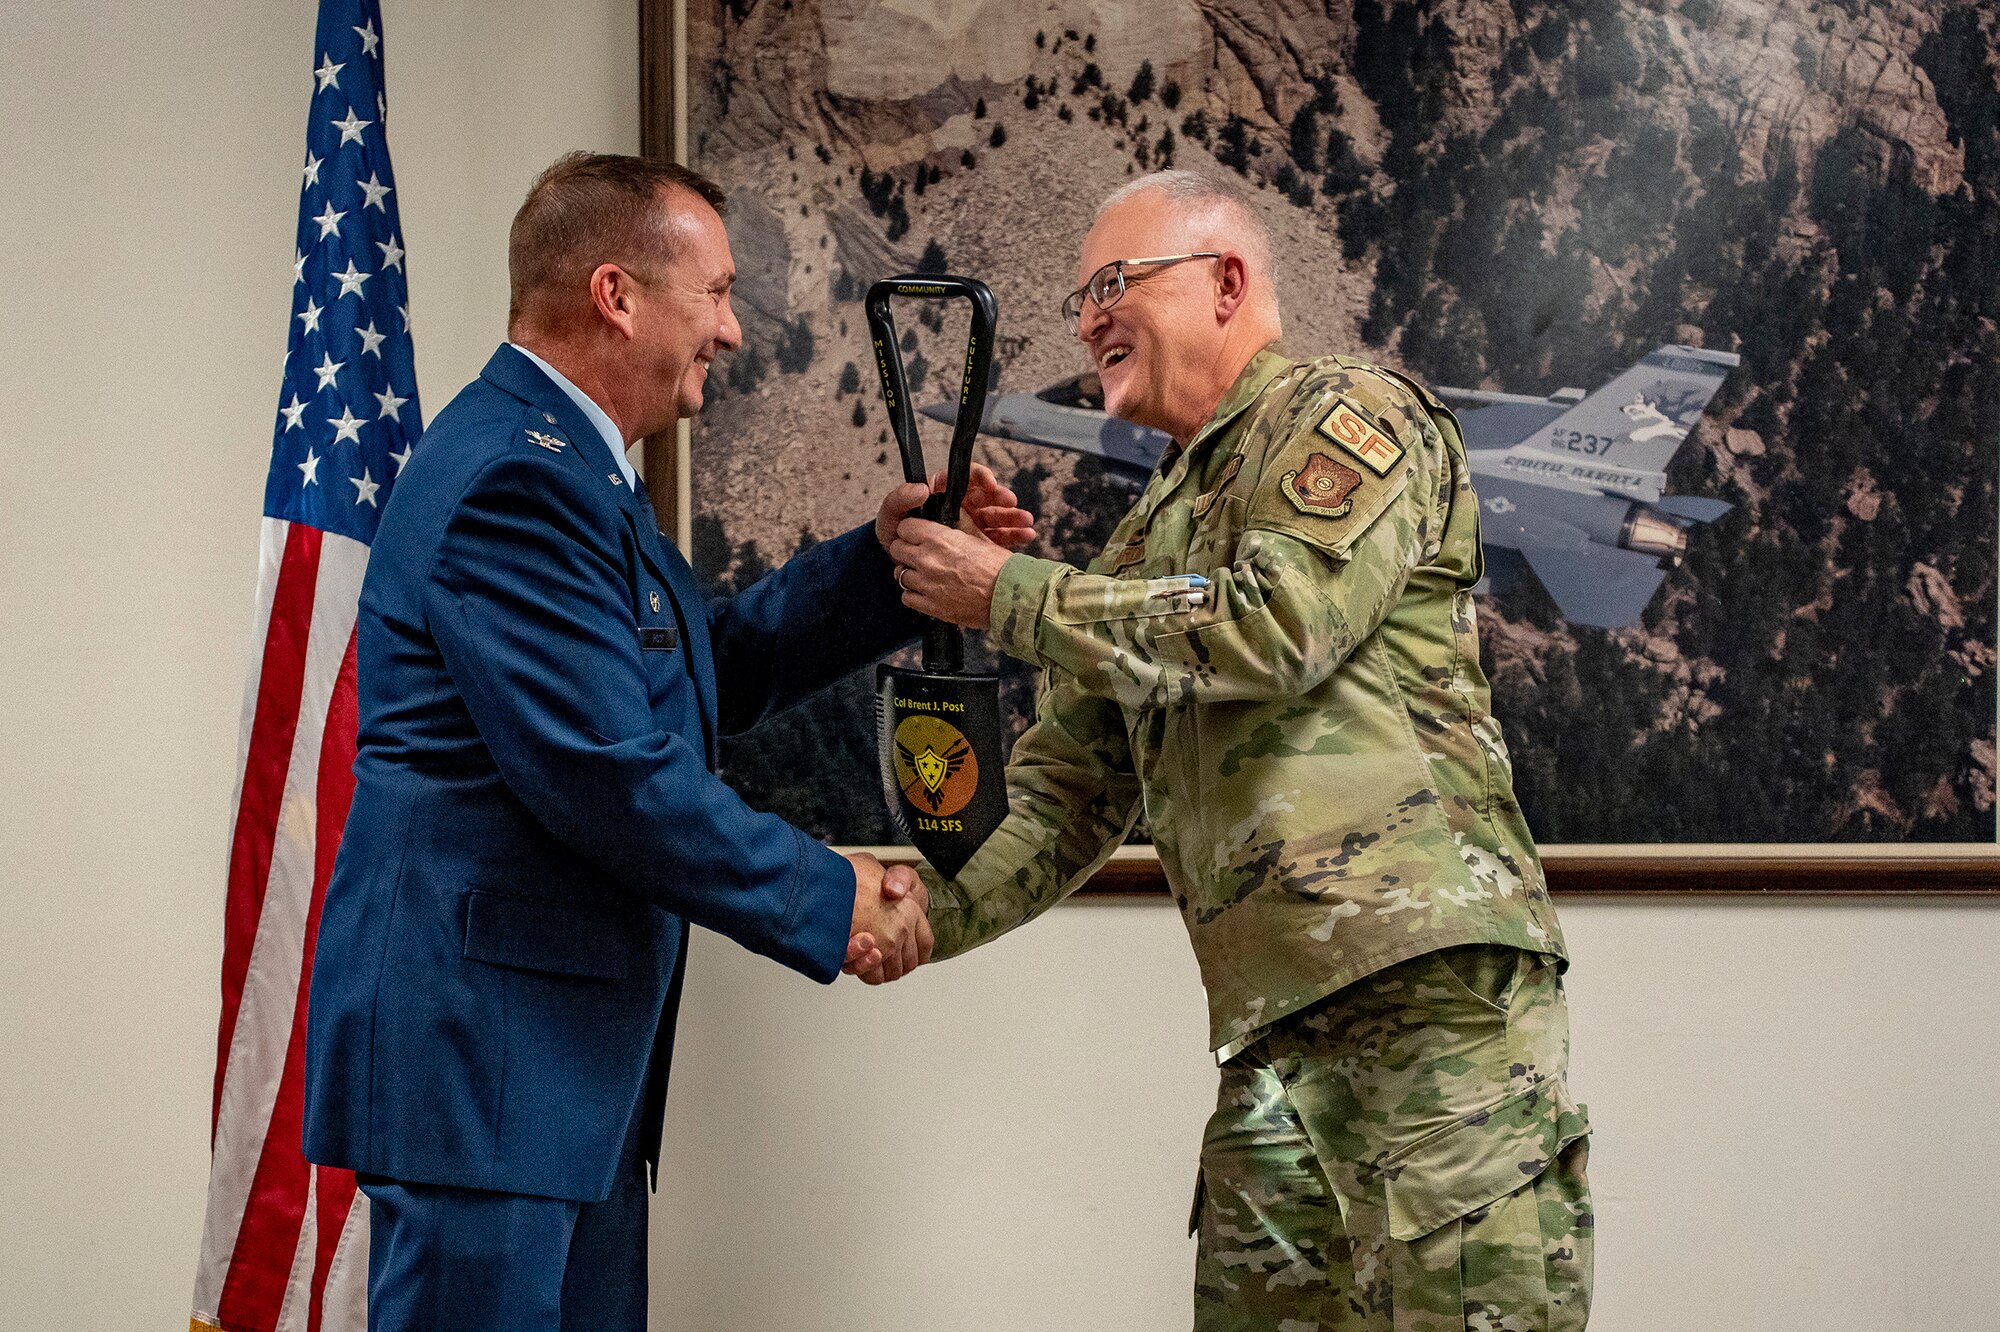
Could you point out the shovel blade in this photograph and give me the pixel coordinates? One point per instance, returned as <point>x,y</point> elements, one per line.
<point>941,769</point>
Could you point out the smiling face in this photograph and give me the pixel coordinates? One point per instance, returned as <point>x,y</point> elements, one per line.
<point>682,316</point>
<point>1163,346</point>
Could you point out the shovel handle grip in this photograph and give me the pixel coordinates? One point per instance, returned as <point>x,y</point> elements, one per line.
<point>944,644</point>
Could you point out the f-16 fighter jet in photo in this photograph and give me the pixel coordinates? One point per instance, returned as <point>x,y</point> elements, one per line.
<point>1572,485</point>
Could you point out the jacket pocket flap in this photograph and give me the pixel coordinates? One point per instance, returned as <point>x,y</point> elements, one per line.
<point>536,934</point>
<point>1481,1159</point>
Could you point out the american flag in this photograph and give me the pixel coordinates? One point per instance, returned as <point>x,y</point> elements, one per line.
<point>284,1247</point>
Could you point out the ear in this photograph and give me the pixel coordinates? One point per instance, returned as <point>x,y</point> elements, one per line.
<point>1232,286</point>
<point>614,295</point>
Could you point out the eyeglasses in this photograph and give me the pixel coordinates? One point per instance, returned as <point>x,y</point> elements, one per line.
<point>1107,285</point>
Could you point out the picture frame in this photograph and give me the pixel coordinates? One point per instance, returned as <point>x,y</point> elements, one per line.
<point>1652,871</point>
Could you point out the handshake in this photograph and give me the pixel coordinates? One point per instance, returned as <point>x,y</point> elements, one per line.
<point>891,933</point>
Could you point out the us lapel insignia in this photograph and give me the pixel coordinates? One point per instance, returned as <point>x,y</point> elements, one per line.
<point>1347,428</point>
<point>654,602</point>
<point>1323,488</point>
<point>614,478</point>
<point>553,443</point>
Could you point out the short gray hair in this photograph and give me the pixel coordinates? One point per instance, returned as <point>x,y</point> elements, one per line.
<point>1206,202</point>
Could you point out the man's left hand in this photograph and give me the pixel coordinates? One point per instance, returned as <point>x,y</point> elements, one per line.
<point>989,510</point>
<point>946,574</point>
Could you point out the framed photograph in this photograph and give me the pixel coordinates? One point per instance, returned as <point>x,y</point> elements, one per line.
<point>1711,289</point>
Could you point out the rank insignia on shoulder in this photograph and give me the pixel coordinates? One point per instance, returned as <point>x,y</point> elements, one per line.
<point>1349,429</point>
<point>553,443</point>
<point>1324,488</point>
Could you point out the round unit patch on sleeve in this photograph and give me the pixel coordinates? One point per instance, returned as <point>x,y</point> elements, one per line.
<point>1362,441</point>
<point>1323,487</point>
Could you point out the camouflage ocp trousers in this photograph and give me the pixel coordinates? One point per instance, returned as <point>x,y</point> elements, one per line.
<point>1401,1157</point>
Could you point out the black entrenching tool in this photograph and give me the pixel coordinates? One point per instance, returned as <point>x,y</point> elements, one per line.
<point>940,728</point>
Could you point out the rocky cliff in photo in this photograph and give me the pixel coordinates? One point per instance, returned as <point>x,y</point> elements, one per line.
<point>1518,196</point>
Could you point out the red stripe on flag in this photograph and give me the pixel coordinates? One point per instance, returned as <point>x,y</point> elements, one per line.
<point>275,722</point>
<point>253,1294</point>
<point>335,1192</point>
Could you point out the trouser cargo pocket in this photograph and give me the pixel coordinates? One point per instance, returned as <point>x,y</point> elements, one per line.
<point>1490,1219</point>
<point>1479,1160</point>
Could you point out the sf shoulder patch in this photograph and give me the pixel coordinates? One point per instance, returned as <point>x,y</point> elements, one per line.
<point>1323,487</point>
<point>1362,441</point>
<point>1351,452</point>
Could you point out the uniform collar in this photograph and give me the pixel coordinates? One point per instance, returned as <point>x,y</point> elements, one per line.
<point>596,415</point>
<point>1177,464</point>
<point>1264,367</point>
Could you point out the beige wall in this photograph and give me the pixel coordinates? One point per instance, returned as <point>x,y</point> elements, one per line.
<point>1795,1111</point>
<point>1795,1101</point>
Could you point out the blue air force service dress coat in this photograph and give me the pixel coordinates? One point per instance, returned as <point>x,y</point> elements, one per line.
<point>536,819</point>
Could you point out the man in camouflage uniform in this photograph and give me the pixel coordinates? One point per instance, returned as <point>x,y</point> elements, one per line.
<point>1275,659</point>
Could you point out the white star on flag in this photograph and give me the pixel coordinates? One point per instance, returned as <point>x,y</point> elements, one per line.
<point>329,221</point>
<point>347,425</point>
<point>327,369</point>
<point>366,486</point>
<point>390,403</point>
<point>293,413</point>
<point>376,192</point>
<point>350,280</point>
<point>350,128</point>
<point>404,310</point>
<point>328,73</point>
<point>371,341</point>
<point>402,457</point>
<point>312,168</point>
<point>392,253</point>
<point>370,39</point>
<point>299,267</point>
<point>310,467</point>
<point>310,315</point>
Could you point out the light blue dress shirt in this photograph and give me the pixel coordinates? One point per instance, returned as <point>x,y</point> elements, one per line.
<point>585,404</point>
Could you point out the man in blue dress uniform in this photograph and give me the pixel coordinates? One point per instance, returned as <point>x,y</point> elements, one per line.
<point>536,816</point>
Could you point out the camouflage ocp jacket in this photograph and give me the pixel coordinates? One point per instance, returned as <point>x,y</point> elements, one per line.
<point>1308,734</point>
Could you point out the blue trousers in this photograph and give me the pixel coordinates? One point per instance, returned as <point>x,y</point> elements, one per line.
<point>465,1260</point>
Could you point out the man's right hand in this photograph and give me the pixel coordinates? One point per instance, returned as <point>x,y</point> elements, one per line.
<point>891,933</point>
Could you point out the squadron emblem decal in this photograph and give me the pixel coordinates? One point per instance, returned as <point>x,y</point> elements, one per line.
<point>935,765</point>
<point>1324,488</point>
